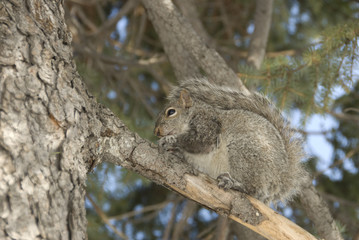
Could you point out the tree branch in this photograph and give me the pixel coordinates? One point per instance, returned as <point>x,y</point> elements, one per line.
<point>109,24</point>
<point>176,32</point>
<point>189,10</point>
<point>104,218</point>
<point>339,162</point>
<point>167,232</point>
<point>187,212</point>
<point>222,229</point>
<point>183,64</point>
<point>262,22</point>
<point>122,147</point>
<point>137,212</point>
<point>318,212</point>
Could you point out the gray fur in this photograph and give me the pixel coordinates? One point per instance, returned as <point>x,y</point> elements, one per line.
<point>242,140</point>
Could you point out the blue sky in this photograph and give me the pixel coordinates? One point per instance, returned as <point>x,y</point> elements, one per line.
<point>316,144</point>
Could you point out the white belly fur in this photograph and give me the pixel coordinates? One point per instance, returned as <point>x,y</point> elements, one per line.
<point>213,163</point>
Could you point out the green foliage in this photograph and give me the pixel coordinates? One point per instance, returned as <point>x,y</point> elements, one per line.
<point>307,81</point>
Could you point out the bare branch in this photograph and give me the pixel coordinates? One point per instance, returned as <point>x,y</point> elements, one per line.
<point>189,11</point>
<point>82,16</point>
<point>340,162</point>
<point>167,232</point>
<point>141,29</point>
<point>244,54</point>
<point>175,32</point>
<point>334,198</point>
<point>318,212</point>
<point>222,229</point>
<point>262,22</point>
<point>324,132</point>
<point>188,210</point>
<point>104,218</point>
<point>143,210</point>
<point>241,231</point>
<point>183,64</point>
<point>109,25</point>
<point>351,109</point>
<point>207,232</point>
<point>345,117</point>
<point>116,60</point>
<point>225,19</point>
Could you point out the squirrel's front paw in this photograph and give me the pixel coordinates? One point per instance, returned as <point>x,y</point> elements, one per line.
<point>166,143</point>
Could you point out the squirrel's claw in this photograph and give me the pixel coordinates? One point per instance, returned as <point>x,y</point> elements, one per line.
<point>166,143</point>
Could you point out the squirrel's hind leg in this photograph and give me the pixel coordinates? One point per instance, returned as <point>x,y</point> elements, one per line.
<point>226,182</point>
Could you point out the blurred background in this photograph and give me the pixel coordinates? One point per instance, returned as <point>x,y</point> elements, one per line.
<point>310,71</point>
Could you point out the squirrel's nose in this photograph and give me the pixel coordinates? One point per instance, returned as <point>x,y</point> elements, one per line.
<point>157,131</point>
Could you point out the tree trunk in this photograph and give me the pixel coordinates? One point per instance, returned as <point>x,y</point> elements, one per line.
<point>42,125</point>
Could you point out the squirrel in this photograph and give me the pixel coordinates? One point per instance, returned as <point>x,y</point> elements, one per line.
<point>241,140</point>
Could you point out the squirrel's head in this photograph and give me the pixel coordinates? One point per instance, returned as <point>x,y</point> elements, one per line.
<point>174,118</point>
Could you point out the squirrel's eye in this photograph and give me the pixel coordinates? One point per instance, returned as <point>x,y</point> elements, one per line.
<point>171,112</point>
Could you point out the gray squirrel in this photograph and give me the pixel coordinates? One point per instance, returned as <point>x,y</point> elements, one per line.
<point>241,140</point>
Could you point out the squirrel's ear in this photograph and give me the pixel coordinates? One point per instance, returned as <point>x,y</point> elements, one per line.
<point>185,99</point>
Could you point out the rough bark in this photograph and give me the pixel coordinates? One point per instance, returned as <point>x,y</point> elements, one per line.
<point>318,211</point>
<point>189,10</point>
<point>183,64</point>
<point>43,125</point>
<point>259,38</point>
<point>177,34</point>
